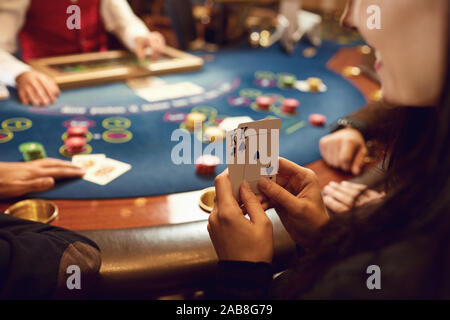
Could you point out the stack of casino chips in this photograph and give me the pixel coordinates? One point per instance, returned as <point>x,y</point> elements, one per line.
<point>264,103</point>
<point>206,164</point>
<point>290,106</point>
<point>32,151</point>
<point>76,139</point>
<point>193,118</point>
<point>314,84</point>
<point>317,119</point>
<point>288,80</point>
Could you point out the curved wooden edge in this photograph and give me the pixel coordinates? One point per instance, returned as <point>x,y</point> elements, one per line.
<point>181,207</point>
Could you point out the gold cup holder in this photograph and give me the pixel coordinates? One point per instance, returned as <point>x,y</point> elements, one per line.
<point>34,209</point>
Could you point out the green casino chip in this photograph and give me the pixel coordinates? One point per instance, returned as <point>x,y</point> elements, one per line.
<point>32,151</point>
<point>288,80</point>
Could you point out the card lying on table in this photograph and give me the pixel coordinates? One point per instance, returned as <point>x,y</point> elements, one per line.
<point>99,169</point>
<point>252,153</point>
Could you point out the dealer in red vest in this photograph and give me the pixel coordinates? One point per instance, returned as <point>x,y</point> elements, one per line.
<point>45,28</point>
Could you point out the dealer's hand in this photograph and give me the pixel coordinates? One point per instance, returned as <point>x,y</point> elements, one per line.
<point>154,41</point>
<point>36,88</point>
<point>344,149</point>
<point>341,197</point>
<point>297,199</point>
<point>233,235</point>
<point>19,178</point>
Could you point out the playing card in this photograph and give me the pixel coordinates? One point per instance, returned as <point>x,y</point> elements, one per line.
<point>87,161</point>
<point>106,171</point>
<point>254,148</point>
<point>234,139</point>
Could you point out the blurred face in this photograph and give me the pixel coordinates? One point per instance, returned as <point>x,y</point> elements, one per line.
<point>411,46</point>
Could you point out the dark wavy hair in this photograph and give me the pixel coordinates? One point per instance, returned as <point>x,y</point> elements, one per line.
<point>419,204</point>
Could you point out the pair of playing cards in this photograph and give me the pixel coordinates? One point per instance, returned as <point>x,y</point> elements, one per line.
<point>100,169</point>
<point>252,152</point>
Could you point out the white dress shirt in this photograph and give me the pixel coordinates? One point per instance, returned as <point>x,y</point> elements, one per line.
<point>118,18</point>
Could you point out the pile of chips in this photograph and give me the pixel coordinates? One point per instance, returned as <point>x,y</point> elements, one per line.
<point>32,151</point>
<point>264,103</point>
<point>194,117</point>
<point>214,134</point>
<point>76,139</point>
<point>206,164</point>
<point>317,119</point>
<point>290,106</point>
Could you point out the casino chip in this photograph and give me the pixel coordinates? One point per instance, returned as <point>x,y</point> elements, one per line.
<point>194,117</point>
<point>264,102</point>
<point>32,151</point>
<point>75,145</point>
<point>317,119</point>
<point>311,84</point>
<point>77,131</point>
<point>288,80</point>
<point>214,134</point>
<point>309,52</point>
<point>206,164</point>
<point>290,106</point>
<point>314,84</point>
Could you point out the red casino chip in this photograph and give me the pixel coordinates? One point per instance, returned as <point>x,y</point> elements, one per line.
<point>290,105</point>
<point>75,144</point>
<point>317,119</point>
<point>264,102</point>
<point>206,164</point>
<point>77,131</point>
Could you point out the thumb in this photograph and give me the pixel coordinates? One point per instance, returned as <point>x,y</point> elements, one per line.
<point>278,194</point>
<point>141,45</point>
<point>35,185</point>
<point>251,203</point>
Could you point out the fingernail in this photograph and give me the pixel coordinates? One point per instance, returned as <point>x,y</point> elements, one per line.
<point>263,183</point>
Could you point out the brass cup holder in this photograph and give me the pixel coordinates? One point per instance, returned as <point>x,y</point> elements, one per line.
<point>34,209</point>
<point>207,199</point>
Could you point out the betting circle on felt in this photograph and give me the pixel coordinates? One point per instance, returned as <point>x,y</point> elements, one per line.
<point>127,128</point>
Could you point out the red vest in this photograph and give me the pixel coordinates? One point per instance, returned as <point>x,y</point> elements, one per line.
<point>46,34</point>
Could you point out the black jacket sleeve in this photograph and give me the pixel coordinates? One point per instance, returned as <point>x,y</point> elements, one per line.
<point>30,257</point>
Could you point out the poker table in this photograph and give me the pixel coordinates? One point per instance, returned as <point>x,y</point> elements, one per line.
<point>128,128</point>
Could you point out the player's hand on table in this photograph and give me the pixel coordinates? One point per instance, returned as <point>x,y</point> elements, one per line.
<point>19,178</point>
<point>154,41</point>
<point>297,198</point>
<point>233,235</point>
<point>341,197</point>
<point>36,88</point>
<point>344,149</point>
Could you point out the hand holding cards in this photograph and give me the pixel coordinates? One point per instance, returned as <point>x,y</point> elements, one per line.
<point>99,169</point>
<point>252,153</point>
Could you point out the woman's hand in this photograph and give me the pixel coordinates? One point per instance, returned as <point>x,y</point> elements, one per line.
<point>36,88</point>
<point>297,199</point>
<point>154,41</point>
<point>346,195</point>
<point>19,178</point>
<point>344,149</point>
<point>233,235</point>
